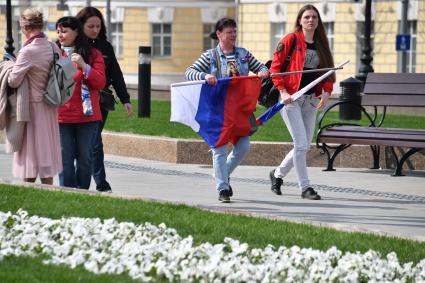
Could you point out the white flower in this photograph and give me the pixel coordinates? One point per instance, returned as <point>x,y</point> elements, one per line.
<point>109,246</point>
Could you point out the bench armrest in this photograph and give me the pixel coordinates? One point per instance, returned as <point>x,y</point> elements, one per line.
<point>372,120</point>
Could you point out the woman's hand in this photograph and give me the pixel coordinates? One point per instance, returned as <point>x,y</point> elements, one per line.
<point>263,74</point>
<point>323,100</point>
<point>75,57</point>
<point>128,108</point>
<point>211,79</point>
<point>286,98</point>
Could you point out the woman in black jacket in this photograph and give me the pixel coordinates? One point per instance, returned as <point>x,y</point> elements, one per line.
<point>94,28</point>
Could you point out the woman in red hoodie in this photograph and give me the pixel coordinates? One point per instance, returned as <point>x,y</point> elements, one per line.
<point>311,52</point>
<point>80,116</point>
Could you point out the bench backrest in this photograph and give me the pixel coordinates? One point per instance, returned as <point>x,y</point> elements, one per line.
<point>394,89</point>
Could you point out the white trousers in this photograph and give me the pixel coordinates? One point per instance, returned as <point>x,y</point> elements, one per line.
<point>299,117</point>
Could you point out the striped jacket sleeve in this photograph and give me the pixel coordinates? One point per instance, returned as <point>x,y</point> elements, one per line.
<point>255,66</point>
<point>199,69</point>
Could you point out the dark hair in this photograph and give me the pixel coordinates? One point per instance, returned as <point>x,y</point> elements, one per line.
<point>221,24</point>
<point>322,46</point>
<point>82,45</point>
<point>88,12</point>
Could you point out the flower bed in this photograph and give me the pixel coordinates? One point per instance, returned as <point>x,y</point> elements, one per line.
<point>145,251</point>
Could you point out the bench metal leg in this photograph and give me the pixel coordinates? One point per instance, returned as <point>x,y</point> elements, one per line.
<point>375,154</point>
<point>330,158</point>
<point>399,167</point>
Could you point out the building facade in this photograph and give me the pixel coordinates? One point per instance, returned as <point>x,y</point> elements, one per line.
<point>177,31</point>
<point>263,22</point>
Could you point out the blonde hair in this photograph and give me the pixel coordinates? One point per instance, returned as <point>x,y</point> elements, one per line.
<point>32,18</point>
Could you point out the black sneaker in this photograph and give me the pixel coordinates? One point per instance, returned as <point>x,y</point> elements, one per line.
<point>276,183</point>
<point>223,196</point>
<point>310,193</point>
<point>104,188</point>
<point>230,189</point>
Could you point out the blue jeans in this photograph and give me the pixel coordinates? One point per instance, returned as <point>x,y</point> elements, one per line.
<point>225,164</point>
<point>98,168</point>
<point>77,146</point>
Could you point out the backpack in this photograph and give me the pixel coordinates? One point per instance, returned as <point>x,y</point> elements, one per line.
<point>269,94</point>
<point>60,85</point>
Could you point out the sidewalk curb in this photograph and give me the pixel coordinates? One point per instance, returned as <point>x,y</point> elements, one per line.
<point>190,151</point>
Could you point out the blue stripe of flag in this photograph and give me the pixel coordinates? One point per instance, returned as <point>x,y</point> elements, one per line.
<point>210,114</point>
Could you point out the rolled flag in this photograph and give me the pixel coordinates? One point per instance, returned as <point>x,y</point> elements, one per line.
<point>278,106</point>
<point>269,113</point>
<point>86,100</point>
<point>219,114</point>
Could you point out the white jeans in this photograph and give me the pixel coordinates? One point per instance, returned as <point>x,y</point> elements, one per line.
<point>299,117</point>
<point>225,164</point>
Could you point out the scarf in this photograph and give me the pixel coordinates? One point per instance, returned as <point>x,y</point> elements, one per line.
<point>31,39</point>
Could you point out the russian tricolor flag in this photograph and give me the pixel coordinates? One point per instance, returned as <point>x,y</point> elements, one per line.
<point>219,114</point>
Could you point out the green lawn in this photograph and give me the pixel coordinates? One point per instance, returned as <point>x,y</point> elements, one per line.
<point>204,226</point>
<point>274,130</point>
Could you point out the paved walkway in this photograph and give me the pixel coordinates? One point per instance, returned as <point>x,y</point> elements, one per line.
<point>353,199</point>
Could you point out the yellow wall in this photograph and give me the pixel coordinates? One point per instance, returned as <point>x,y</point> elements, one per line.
<point>186,40</point>
<point>345,39</point>
<point>136,33</point>
<point>2,33</point>
<point>254,30</point>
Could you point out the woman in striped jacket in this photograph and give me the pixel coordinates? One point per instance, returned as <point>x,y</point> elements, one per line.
<point>226,60</point>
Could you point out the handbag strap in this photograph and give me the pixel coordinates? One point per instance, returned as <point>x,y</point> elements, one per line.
<point>289,56</point>
<point>55,55</point>
<point>217,60</point>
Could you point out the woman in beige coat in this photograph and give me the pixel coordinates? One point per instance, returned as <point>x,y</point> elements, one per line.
<point>40,153</point>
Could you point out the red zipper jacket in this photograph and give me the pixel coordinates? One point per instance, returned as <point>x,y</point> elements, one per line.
<point>72,111</point>
<point>291,83</point>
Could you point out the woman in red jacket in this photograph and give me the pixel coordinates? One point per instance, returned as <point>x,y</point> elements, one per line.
<point>311,52</point>
<point>80,116</point>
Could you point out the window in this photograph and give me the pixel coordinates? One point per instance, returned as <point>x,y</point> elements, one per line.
<point>360,40</point>
<point>117,38</point>
<point>161,39</point>
<point>208,42</point>
<point>411,54</point>
<point>277,32</point>
<point>329,28</point>
<point>18,37</point>
<point>116,30</point>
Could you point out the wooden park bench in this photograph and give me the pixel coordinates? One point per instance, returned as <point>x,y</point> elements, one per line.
<point>381,90</point>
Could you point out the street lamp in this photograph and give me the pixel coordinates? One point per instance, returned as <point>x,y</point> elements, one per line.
<point>366,58</point>
<point>9,39</point>
<point>108,19</point>
<point>62,6</point>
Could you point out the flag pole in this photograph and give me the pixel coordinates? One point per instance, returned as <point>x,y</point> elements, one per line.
<point>188,83</point>
<point>299,93</point>
<point>276,108</point>
<point>305,71</point>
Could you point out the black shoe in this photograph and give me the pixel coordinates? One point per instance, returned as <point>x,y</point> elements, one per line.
<point>223,196</point>
<point>104,188</point>
<point>309,193</point>
<point>230,189</point>
<point>276,183</point>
